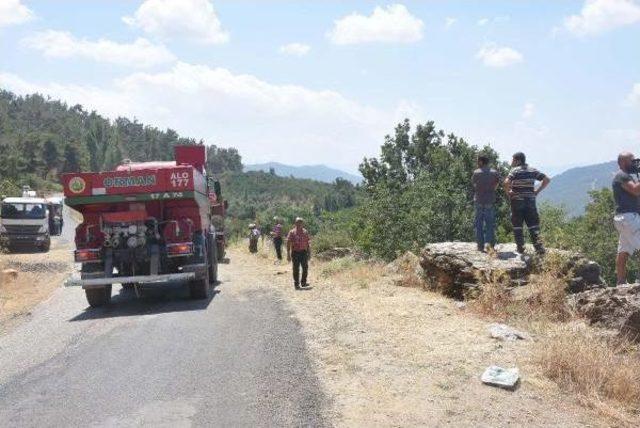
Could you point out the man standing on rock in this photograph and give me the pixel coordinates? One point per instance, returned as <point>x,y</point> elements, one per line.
<point>485,182</point>
<point>521,190</point>
<point>299,251</point>
<point>626,192</point>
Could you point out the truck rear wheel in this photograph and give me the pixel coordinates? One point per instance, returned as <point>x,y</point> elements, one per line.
<point>98,296</point>
<point>213,262</point>
<point>199,288</point>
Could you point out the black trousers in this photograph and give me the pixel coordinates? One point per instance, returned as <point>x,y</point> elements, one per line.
<point>525,211</point>
<point>277,243</point>
<point>300,259</point>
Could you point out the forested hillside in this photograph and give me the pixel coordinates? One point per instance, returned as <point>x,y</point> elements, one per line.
<point>312,172</point>
<point>41,138</point>
<point>571,188</point>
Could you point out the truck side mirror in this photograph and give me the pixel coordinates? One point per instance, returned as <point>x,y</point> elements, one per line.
<point>226,205</point>
<point>217,189</point>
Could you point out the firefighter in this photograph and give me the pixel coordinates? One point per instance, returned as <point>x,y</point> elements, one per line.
<point>299,252</point>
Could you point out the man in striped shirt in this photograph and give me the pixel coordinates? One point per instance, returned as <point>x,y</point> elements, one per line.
<point>521,189</point>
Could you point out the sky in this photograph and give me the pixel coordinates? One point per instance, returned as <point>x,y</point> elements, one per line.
<point>322,82</point>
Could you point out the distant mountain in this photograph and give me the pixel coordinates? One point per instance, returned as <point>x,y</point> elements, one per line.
<point>314,172</point>
<point>571,188</point>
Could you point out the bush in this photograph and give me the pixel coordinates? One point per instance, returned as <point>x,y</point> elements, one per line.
<point>328,239</point>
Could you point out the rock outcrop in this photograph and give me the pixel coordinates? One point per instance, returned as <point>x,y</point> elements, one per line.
<point>457,268</point>
<point>613,308</point>
<point>406,271</point>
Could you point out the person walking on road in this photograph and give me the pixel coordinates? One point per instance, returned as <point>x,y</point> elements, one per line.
<point>299,252</point>
<point>521,190</point>
<point>276,235</point>
<point>626,193</point>
<point>485,182</point>
<point>254,235</point>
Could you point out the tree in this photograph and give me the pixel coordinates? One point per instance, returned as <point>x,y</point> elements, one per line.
<point>420,190</point>
<point>221,160</point>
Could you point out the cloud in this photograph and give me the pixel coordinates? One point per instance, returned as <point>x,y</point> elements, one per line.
<point>13,12</point>
<point>450,22</point>
<point>391,24</point>
<point>60,44</point>
<point>296,49</point>
<point>194,20</point>
<point>495,20</point>
<point>239,110</point>
<point>634,95</point>
<point>495,56</point>
<point>599,16</point>
<point>528,110</point>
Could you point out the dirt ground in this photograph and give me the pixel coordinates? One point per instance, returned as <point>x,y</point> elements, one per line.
<point>394,356</point>
<point>38,275</point>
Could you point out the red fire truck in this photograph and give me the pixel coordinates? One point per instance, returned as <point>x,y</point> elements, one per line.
<point>147,223</point>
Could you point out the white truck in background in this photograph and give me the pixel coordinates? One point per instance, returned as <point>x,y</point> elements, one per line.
<point>24,222</point>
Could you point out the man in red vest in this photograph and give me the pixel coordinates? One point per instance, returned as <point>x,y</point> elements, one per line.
<point>299,251</point>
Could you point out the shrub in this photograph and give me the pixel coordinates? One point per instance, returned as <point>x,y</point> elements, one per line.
<point>328,239</point>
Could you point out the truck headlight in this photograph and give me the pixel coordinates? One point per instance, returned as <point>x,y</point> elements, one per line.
<point>2,229</point>
<point>43,229</point>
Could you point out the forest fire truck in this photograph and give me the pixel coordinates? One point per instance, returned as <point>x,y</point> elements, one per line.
<point>147,223</point>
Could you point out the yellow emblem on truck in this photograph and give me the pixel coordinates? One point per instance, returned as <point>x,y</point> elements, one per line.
<point>77,185</point>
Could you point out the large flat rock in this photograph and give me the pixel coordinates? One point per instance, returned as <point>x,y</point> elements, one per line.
<point>615,308</point>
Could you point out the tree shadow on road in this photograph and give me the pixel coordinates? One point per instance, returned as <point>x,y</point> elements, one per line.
<point>153,300</point>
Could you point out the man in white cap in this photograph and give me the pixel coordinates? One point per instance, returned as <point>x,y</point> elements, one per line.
<point>299,251</point>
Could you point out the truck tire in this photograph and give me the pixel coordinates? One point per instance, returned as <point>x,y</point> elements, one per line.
<point>213,262</point>
<point>97,297</point>
<point>199,288</point>
<point>219,250</point>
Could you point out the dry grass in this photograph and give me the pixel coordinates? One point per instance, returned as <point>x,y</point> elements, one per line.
<point>349,270</point>
<point>605,373</point>
<point>409,279</point>
<point>21,292</point>
<point>600,370</point>
<point>543,299</point>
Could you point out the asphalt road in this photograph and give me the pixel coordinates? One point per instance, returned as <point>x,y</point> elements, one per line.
<point>238,359</point>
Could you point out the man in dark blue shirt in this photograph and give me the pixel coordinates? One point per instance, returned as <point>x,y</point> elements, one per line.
<point>521,190</point>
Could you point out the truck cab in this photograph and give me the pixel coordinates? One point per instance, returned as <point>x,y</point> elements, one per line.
<point>24,223</point>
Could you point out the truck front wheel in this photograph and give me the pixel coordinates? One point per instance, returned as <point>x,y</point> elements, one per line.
<point>98,296</point>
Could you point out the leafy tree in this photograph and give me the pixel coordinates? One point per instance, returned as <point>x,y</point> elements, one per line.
<point>221,160</point>
<point>420,191</point>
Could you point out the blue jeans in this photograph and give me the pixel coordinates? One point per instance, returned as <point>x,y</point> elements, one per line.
<point>485,224</point>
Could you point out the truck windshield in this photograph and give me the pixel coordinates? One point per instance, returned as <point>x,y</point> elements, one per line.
<point>23,211</point>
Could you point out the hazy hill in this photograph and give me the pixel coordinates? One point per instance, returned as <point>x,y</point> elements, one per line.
<point>312,172</point>
<point>571,188</point>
